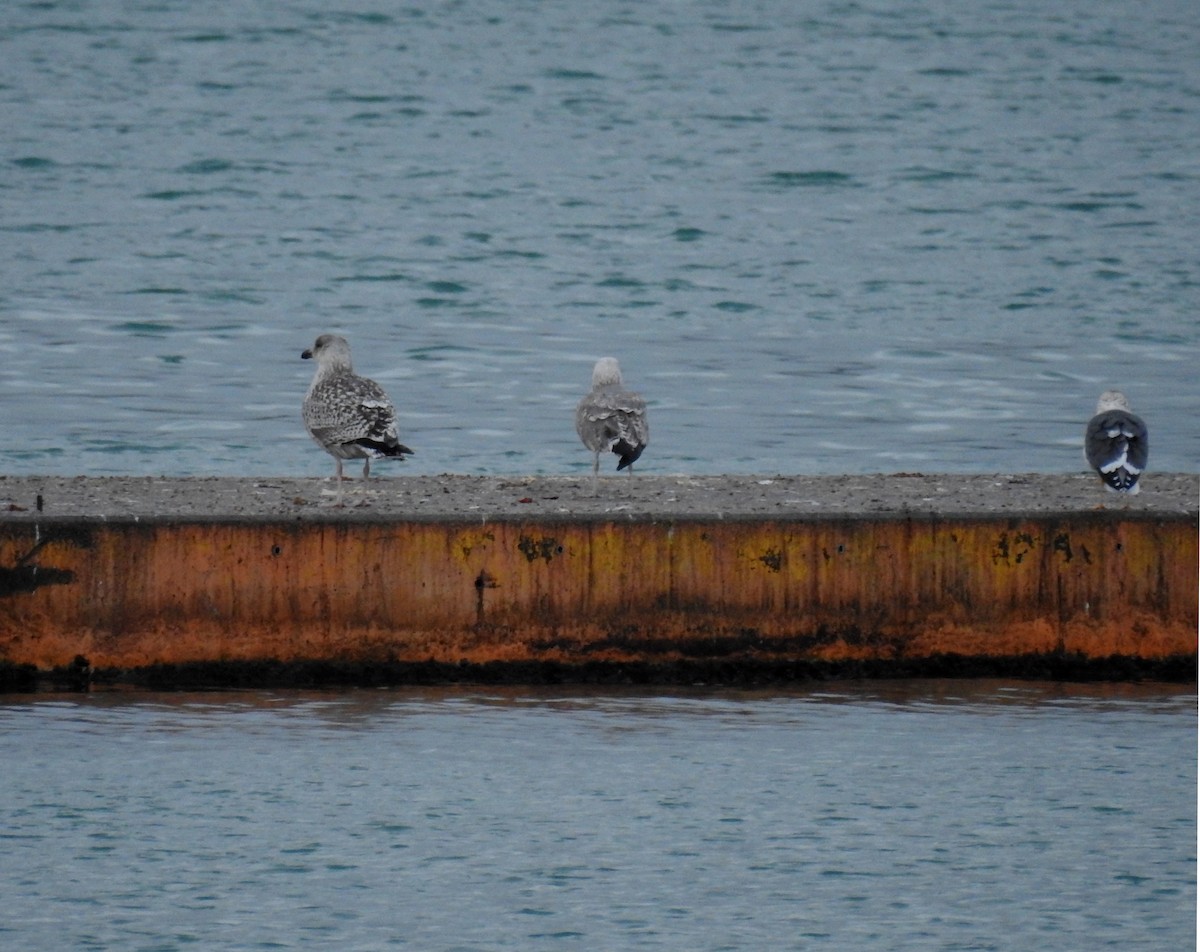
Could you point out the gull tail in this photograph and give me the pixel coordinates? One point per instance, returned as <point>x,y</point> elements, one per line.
<point>629,452</point>
<point>384,449</point>
<point>1121,480</point>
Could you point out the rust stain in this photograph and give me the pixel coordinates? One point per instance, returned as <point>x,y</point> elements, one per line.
<point>832,590</point>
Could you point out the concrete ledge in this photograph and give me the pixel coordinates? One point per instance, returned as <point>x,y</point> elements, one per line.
<point>682,576</point>
<point>560,498</point>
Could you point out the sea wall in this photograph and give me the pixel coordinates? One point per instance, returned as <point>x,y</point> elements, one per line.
<point>376,583</point>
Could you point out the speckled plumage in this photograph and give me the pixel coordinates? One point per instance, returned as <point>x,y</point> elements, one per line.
<point>611,418</point>
<point>1116,443</point>
<point>350,417</point>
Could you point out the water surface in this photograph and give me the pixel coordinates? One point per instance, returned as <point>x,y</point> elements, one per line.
<point>829,237</point>
<point>920,815</point>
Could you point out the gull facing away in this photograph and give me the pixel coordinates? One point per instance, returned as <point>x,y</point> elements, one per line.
<point>611,418</point>
<point>1116,443</point>
<point>349,417</point>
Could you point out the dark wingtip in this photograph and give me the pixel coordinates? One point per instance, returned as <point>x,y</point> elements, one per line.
<point>1120,480</point>
<point>628,453</point>
<point>398,450</point>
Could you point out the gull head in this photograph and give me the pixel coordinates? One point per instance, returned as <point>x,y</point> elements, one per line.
<point>1112,400</point>
<point>606,373</point>
<point>330,351</point>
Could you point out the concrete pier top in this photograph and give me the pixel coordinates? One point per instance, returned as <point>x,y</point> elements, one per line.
<point>634,498</point>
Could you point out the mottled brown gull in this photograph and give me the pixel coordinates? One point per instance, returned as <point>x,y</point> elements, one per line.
<point>349,417</point>
<point>1116,443</point>
<point>611,418</point>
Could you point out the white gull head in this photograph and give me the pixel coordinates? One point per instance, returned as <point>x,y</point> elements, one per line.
<point>1112,400</point>
<point>332,354</point>
<point>606,373</point>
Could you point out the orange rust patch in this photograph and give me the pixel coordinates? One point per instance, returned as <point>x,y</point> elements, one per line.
<point>128,594</point>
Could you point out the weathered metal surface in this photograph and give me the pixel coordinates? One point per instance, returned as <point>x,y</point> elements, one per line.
<point>130,593</point>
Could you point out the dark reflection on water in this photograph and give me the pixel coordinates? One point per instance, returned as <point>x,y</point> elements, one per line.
<point>915,815</point>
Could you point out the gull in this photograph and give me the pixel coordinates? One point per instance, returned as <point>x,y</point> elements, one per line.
<point>349,417</point>
<point>611,418</point>
<point>1116,443</point>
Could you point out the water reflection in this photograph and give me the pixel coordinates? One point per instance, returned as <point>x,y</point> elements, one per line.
<point>365,708</point>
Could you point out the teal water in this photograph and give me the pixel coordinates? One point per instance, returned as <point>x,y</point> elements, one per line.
<point>827,237</point>
<point>978,816</point>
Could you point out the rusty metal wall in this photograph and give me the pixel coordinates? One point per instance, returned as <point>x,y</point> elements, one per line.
<point>135,593</point>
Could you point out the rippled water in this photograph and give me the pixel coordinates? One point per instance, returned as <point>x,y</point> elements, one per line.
<point>925,817</point>
<point>827,237</point>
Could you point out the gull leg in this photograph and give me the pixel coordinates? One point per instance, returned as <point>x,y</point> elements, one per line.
<point>366,467</point>
<point>595,472</point>
<point>339,480</point>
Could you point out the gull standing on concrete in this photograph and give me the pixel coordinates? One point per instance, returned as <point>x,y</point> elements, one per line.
<point>1116,443</point>
<point>349,416</point>
<point>611,418</point>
